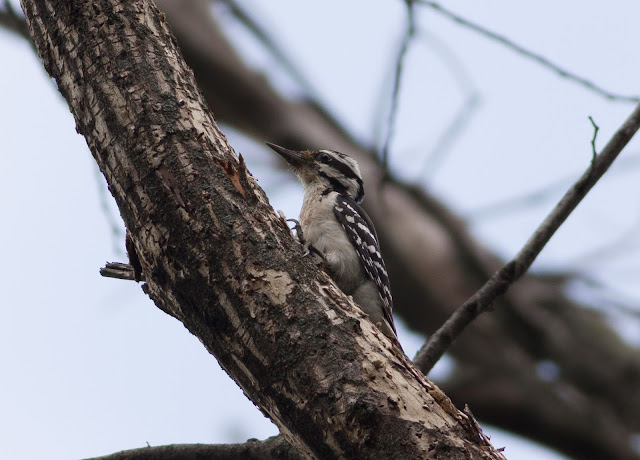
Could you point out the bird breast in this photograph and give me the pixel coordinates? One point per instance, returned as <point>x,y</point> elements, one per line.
<point>321,229</point>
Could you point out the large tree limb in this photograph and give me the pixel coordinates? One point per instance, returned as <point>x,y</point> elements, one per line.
<point>435,265</point>
<point>498,357</point>
<point>215,255</point>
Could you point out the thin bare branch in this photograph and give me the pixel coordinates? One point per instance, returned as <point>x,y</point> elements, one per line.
<point>500,282</point>
<point>397,79</point>
<point>272,448</point>
<point>529,54</point>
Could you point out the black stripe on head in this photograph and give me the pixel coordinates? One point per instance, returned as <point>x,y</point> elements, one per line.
<point>341,163</point>
<point>344,169</point>
<point>335,184</point>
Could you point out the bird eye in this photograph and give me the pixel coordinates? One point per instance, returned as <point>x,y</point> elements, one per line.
<point>324,158</point>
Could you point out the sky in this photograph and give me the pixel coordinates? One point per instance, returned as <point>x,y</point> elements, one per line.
<point>90,366</point>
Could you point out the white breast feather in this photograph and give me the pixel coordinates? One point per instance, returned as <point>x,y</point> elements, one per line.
<point>325,233</point>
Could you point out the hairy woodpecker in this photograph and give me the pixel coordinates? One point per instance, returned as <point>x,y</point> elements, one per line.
<point>336,226</point>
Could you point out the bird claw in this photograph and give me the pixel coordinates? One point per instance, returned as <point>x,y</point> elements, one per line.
<point>298,228</point>
<point>311,249</point>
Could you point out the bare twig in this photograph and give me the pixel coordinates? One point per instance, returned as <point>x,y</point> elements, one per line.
<point>498,284</point>
<point>118,270</point>
<point>529,54</point>
<point>397,79</point>
<point>593,139</point>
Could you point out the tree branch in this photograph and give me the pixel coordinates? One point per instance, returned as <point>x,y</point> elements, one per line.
<point>215,255</point>
<point>274,448</point>
<point>499,354</point>
<point>12,21</point>
<point>543,61</point>
<point>498,284</point>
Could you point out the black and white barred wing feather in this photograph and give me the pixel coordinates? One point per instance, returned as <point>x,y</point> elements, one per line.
<point>363,236</point>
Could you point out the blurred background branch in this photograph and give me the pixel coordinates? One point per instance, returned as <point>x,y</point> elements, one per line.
<point>538,58</point>
<point>397,83</point>
<point>13,21</point>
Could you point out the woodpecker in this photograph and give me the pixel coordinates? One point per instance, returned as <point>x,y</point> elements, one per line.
<point>334,224</point>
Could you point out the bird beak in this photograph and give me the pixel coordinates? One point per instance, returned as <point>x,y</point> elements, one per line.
<point>293,157</point>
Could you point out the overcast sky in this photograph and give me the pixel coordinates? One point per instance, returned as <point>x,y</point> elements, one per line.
<point>90,366</point>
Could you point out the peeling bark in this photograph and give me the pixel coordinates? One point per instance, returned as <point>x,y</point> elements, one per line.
<point>215,255</point>
<point>435,265</point>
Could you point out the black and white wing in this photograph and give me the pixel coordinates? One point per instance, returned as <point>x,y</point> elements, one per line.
<point>363,236</point>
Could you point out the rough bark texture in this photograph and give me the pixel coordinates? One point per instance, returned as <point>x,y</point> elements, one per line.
<point>215,256</point>
<point>590,410</point>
